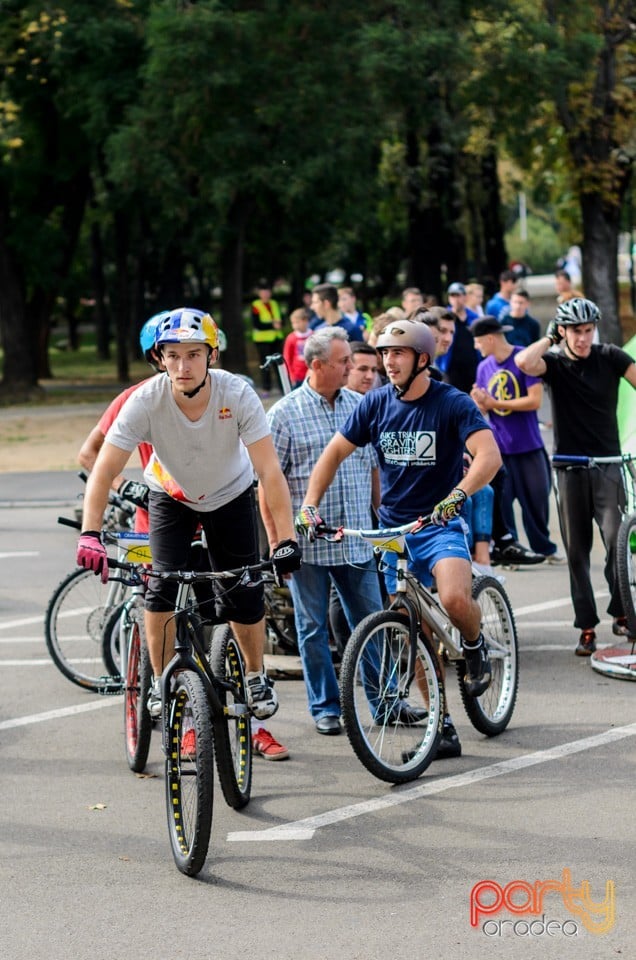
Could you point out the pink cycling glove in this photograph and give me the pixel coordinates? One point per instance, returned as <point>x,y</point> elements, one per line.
<point>92,555</point>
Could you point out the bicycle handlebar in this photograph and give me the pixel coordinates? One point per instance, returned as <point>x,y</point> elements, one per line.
<point>134,570</point>
<point>574,459</point>
<point>323,531</point>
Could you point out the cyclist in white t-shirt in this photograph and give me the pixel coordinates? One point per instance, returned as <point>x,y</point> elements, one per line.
<point>209,434</point>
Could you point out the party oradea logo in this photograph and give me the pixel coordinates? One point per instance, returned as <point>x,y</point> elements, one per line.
<point>490,902</point>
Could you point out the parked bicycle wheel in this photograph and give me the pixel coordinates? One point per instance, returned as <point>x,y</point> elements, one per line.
<point>189,773</point>
<point>279,617</point>
<point>393,720</point>
<point>137,721</point>
<point>111,642</point>
<point>626,569</point>
<point>491,712</point>
<point>232,734</point>
<point>73,627</point>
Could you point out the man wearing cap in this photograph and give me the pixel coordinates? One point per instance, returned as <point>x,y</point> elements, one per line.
<point>460,362</point>
<point>511,399</point>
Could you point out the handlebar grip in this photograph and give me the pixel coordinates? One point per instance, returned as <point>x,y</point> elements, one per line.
<point>567,458</point>
<point>65,521</point>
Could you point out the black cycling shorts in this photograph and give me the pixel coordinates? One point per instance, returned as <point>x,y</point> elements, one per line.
<point>232,537</point>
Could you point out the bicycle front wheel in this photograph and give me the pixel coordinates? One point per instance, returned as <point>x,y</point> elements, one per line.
<point>491,712</point>
<point>626,569</point>
<point>232,733</point>
<point>74,626</point>
<point>393,719</point>
<point>137,720</point>
<point>189,773</point>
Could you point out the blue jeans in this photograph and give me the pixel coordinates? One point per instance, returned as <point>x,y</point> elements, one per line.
<point>477,512</point>
<point>359,592</point>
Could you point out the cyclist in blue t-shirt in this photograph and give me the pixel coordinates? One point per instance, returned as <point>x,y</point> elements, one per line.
<point>419,429</point>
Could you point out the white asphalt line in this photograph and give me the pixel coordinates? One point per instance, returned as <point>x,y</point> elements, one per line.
<point>46,662</point>
<point>57,714</point>
<point>305,829</point>
<point>7,640</point>
<point>23,622</point>
<point>21,553</point>
<point>552,604</point>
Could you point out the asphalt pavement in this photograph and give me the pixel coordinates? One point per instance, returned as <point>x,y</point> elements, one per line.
<point>325,861</point>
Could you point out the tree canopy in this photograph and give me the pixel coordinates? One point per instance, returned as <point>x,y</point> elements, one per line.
<point>152,152</point>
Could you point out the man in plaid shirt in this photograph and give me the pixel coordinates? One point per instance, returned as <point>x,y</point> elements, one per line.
<point>302,424</point>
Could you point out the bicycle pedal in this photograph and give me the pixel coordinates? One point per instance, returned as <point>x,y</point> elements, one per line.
<point>110,686</point>
<point>236,710</point>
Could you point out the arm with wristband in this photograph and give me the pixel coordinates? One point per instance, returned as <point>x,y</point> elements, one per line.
<point>486,461</point>
<point>91,553</point>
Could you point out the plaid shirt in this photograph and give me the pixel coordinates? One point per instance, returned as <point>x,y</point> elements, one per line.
<point>302,424</point>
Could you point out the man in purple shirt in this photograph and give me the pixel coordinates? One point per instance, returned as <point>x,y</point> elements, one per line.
<point>511,400</point>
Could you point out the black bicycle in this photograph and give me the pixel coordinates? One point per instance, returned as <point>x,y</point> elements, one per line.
<point>204,715</point>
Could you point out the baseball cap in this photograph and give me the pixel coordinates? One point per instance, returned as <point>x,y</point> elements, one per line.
<point>456,288</point>
<point>488,325</point>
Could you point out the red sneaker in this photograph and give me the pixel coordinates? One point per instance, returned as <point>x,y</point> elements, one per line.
<point>587,644</point>
<point>269,748</point>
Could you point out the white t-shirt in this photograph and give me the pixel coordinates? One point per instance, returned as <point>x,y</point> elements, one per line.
<point>203,463</point>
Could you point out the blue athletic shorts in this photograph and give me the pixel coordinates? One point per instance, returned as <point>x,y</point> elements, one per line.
<point>425,549</point>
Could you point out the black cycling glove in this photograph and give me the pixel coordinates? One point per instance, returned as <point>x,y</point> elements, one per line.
<point>285,558</point>
<point>135,492</point>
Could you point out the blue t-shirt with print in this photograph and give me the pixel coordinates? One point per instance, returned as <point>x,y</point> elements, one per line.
<point>420,445</point>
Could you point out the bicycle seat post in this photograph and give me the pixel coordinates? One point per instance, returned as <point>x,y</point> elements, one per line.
<point>401,572</point>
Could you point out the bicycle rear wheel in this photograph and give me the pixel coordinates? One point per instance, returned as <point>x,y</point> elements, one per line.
<point>189,773</point>
<point>393,743</point>
<point>232,733</point>
<point>626,569</point>
<point>73,628</point>
<point>491,712</point>
<point>137,721</point>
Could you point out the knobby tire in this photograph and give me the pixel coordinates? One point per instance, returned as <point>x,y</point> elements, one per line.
<point>189,775</point>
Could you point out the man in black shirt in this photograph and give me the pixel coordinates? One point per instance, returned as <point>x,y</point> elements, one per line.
<point>583,378</point>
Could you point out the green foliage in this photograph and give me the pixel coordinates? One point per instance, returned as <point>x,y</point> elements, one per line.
<point>540,250</point>
<point>321,134</point>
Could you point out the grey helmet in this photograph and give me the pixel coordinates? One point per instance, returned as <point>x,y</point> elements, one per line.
<point>576,311</point>
<point>408,333</point>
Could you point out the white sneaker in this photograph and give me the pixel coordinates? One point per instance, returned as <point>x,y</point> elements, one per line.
<point>558,559</point>
<point>154,699</point>
<point>485,570</point>
<point>261,697</point>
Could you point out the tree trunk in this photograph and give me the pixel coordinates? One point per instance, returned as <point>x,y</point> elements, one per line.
<point>102,321</point>
<point>232,258</point>
<point>19,380</point>
<point>38,311</point>
<point>601,226</point>
<point>492,218</point>
<point>121,295</point>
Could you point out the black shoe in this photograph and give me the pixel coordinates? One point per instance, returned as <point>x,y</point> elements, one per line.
<point>587,644</point>
<point>510,552</point>
<point>478,668</point>
<point>400,713</point>
<point>329,725</point>
<point>449,745</point>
